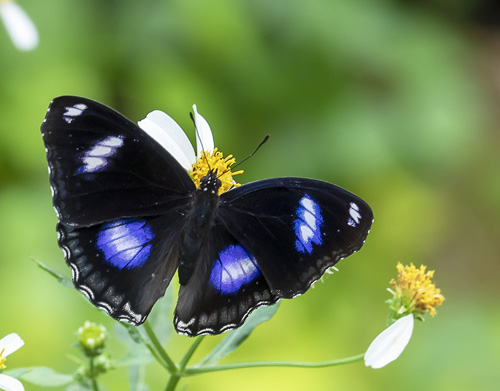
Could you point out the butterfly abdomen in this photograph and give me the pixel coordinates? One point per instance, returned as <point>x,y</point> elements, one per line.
<point>199,221</point>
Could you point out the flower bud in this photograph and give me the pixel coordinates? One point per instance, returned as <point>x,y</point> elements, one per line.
<point>92,338</point>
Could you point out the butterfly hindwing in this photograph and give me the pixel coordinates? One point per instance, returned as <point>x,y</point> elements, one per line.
<point>296,228</point>
<point>103,167</point>
<point>226,285</point>
<point>124,266</point>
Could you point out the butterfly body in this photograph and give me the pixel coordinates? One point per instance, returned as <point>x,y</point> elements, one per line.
<point>199,221</point>
<point>130,216</point>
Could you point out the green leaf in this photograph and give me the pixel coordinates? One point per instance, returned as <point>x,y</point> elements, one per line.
<point>63,280</point>
<point>133,332</point>
<point>160,317</point>
<point>79,387</point>
<point>236,337</point>
<point>41,376</point>
<point>128,338</point>
<point>140,355</point>
<point>136,378</point>
<point>17,372</point>
<point>137,352</point>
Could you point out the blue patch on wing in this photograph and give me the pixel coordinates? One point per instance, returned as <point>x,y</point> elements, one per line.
<point>126,243</point>
<point>235,267</point>
<point>308,225</point>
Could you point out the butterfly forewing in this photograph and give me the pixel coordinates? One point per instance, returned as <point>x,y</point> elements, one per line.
<point>296,228</point>
<point>103,167</point>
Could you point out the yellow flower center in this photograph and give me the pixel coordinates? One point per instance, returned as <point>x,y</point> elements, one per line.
<point>2,360</point>
<point>414,291</point>
<point>215,161</point>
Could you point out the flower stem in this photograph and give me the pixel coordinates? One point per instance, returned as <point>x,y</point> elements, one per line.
<point>172,382</point>
<point>170,365</point>
<point>190,352</point>
<point>175,377</point>
<point>93,379</point>
<point>240,365</point>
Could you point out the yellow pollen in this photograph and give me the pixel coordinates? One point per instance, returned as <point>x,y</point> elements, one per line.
<point>2,360</point>
<point>415,291</point>
<point>215,161</point>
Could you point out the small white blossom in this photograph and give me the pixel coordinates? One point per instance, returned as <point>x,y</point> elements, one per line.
<point>9,344</point>
<point>204,138</point>
<point>9,383</point>
<point>390,343</point>
<point>19,26</point>
<point>162,128</point>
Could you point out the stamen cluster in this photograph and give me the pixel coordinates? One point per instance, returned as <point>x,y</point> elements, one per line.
<point>215,160</point>
<point>414,292</point>
<point>2,359</point>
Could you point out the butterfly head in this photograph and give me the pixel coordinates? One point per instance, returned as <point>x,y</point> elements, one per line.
<point>214,170</point>
<point>210,183</point>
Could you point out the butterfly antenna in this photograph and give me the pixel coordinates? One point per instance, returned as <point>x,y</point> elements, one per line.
<point>249,156</point>
<point>201,142</point>
<point>253,153</point>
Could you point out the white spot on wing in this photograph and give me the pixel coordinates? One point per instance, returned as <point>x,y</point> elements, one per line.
<point>355,218</point>
<point>96,158</point>
<point>73,111</point>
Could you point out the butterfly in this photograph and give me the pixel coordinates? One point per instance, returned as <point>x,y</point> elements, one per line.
<point>132,213</point>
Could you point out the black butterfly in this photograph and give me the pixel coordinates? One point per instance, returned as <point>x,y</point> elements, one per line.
<point>130,216</point>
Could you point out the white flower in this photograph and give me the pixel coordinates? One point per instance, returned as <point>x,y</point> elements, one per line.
<point>390,343</point>
<point>169,134</point>
<point>9,344</point>
<point>20,27</point>
<point>8,383</point>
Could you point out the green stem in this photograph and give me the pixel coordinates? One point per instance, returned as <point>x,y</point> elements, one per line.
<point>174,378</point>
<point>190,352</point>
<point>170,365</point>
<point>156,355</point>
<point>240,365</point>
<point>93,379</point>
<point>172,382</point>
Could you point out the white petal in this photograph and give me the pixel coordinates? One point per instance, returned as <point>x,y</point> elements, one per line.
<point>390,343</point>
<point>8,383</point>
<point>19,26</point>
<point>170,136</point>
<point>11,343</point>
<point>204,132</point>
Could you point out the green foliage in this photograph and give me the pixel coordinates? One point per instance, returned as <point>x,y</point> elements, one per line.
<point>41,376</point>
<point>396,101</point>
<point>236,337</point>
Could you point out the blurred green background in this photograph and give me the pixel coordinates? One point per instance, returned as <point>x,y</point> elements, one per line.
<point>396,101</point>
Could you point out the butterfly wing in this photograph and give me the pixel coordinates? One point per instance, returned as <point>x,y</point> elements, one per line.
<point>103,167</point>
<point>225,286</point>
<point>296,228</point>
<point>273,239</point>
<point>120,198</point>
<point>123,266</point>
